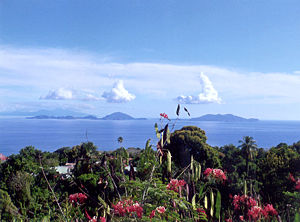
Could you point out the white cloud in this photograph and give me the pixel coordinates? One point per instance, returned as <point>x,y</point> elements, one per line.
<point>59,94</point>
<point>25,74</point>
<point>208,95</point>
<point>70,94</point>
<point>118,94</point>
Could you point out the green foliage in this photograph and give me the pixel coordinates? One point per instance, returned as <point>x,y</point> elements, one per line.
<point>8,210</point>
<point>191,140</point>
<point>146,162</point>
<point>274,169</point>
<point>25,194</point>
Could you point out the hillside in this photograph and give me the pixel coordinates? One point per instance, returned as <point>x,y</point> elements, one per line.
<point>223,118</point>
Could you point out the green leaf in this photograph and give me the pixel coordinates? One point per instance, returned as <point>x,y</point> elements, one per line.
<point>205,202</point>
<point>156,130</point>
<point>168,136</point>
<point>245,187</point>
<point>297,217</point>
<point>218,205</point>
<point>201,191</point>
<point>212,203</point>
<point>194,202</point>
<point>169,162</point>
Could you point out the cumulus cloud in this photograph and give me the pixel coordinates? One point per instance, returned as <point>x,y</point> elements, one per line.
<point>118,94</point>
<point>59,94</point>
<point>208,95</point>
<point>69,94</point>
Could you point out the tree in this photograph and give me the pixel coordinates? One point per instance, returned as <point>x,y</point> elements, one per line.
<point>248,146</point>
<point>120,139</point>
<point>191,140</point>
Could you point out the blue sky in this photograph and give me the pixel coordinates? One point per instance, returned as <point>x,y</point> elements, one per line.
<point>143,57</point>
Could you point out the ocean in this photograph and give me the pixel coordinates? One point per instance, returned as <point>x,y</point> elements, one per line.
<point>50,135</point>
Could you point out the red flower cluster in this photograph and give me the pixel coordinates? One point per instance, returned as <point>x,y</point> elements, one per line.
<point>94,219</point>
<point>176,185</point>
<point>128,207</point>
<point>292,178</point>
<point>160,210</point>
<point>243,200</point>
<point>297,187</point>
<point>255,212</point>
<point>201,211</point>
<point>269,211</point>
<point>77,198</point>
<point>163,115</point>
<point>152,214</point>
<point>215,174</point>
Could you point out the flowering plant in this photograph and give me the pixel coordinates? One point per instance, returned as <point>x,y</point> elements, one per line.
<point>77,198</point>
<point>176,185</point>
<point>128,208</point>
<point>215,175</point>
<point>249,207</point>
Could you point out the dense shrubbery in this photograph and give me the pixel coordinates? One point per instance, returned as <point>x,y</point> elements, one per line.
<point>185,179</point>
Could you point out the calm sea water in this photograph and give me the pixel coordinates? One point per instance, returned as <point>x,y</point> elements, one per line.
<point>49,135</point>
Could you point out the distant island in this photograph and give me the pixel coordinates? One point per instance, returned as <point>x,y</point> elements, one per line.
<point>223,118</point>
<point>113,116</point>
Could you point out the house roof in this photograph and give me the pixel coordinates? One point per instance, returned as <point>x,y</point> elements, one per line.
<point>2,157</point>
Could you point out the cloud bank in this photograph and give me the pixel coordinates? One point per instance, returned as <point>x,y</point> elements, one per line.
<point>208,95</point>
<point>59,94</point>
<point>118,94</point>
<point>69,94</point>
<point>25,74</point>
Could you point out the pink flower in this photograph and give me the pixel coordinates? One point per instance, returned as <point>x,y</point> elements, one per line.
<point>242,218</point>
<point>163,115</point>
<point>291,177</point>
<point>215,174</point>
<point>77,198</point>
<point>228,220</point>
<point>152,214</point>
<point>208,171</point>
<point>161,209</point>
<point>181,183</point>
<point>255,212</point>
<point>102,219</point>
<point>252,202</point>
<point>297,187</point>
<point>176,184</point>
<point>128,207</point>
<point>269,210</point>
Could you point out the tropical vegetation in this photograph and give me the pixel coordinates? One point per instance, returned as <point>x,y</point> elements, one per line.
<point>179,177</point>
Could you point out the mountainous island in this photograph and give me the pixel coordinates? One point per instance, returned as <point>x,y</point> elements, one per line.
<point>113,116</point>
<point>223,118</point>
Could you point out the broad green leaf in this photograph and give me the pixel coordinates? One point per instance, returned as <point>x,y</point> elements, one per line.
<point>194,202</point>
<point>201,191</point>
<point>218,205</point>
<point>245,187</point>
<point>212,203</point>
<point>205,202</point>
<point>297,217</point>
<point>169,162</point>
